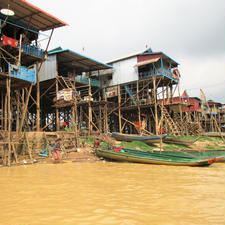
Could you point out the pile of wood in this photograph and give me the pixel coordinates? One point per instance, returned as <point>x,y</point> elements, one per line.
<point>193,128</point>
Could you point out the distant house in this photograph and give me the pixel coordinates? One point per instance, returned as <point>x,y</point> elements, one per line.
<point>141,65</point>
<point>193,102</point>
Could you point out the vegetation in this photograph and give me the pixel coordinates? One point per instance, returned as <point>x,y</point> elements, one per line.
<point>203,143</point>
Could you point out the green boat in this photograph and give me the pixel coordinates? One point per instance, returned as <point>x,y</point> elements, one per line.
<point>179,141</point>
<point>200,153</point>
<point>150,139</point>
<point>213,134</point>
<point>156,157</point>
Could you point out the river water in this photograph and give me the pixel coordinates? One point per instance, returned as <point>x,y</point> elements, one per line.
<point>112,193</point>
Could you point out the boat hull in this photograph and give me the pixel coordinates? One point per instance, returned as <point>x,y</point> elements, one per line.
<point>179,141</point>
<point>130,137</point>
<point>154,158</point>
<point>214,134</point>
<point>203,153</point>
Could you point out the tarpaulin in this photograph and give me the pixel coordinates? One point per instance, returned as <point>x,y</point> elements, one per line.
<point>10,41</point>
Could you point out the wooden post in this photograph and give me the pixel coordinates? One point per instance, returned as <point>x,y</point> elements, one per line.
<point>28,147</point>
<point>20,50</point>
<point>119,109</point>
<point>163,94</point>
<point>38,104</point>
<point>57,110</point>
<point>155,103</point>
<point>139,110</point>
<point>90,126</point>
<point>2,110</point>
<point>18,111</point>
<point>105,113</point>
<point>25,109</point>
<point>167,94</point>
<point>5,111</point>
<point>15,154</point>
<point>171,94</point>
<point>9,120</point>
<point>181,113</point>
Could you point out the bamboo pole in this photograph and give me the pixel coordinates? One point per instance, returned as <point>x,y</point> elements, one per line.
<point>57,110</point>
<point>15,154</point>
<point>155,103</point>
<point>18,111</point>
<point>9,119</point>
<point>5,111</point>
<point>119,109</point>
<point>25,109</point>
<point>2,110</point>
<point>139,110</point>
<point>131,123</point>
<point>28,147</point>
<point>89,108</point>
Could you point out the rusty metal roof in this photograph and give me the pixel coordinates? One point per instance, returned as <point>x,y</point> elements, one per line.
<point>30,14</point>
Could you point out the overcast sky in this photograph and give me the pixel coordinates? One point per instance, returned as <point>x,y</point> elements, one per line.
<point>192,32</point>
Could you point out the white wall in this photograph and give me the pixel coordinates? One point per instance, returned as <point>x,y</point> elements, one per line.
<point>125,71</point>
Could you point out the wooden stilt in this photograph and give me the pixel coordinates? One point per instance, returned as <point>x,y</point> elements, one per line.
<point>57,110</point>
<point>9,119</point>
<point>119,109</point>
<point>155,104</point>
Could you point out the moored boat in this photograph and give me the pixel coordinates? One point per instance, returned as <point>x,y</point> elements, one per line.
<point>219,154</point>
<point>179,141</point>
<point>213,134</point>
<point>133,137</point>
<point>160,158</point>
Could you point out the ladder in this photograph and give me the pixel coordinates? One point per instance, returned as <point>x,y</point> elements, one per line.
<point>172,127</point>
<point>131,95</point>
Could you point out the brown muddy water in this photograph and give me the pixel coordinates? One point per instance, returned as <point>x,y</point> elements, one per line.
<point>112,193</point>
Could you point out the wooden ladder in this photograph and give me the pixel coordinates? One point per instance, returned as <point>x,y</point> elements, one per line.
<point>174,127</point>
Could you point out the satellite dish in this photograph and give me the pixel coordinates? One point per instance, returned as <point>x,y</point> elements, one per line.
<point>7,12</point>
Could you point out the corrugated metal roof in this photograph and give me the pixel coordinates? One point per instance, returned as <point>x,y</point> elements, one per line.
<point>24,10</point>
<point>73,59</point>
<point>143,52</point>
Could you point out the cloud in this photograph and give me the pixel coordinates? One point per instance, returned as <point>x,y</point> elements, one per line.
<point>190,31</point>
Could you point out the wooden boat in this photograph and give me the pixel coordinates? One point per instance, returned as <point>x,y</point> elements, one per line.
<point>179,141</point>
<point>219,154</point>
<point>161,158</point>
<point>133,137</point>
<point>214,134</point>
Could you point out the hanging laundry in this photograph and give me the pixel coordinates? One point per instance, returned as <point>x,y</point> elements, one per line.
<point>10,41</point>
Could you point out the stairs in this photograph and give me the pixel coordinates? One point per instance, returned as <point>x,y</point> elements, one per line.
<point>131,94</point>
<point>68,83</point>
<point>68,144</point>
<point>170,125</point>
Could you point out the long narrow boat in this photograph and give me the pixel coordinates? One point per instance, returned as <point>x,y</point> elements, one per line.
<point>161,158</point>
<point>179,141</point>
<point>213,134</point>
<point>133,137</point>
<point>219,154</point>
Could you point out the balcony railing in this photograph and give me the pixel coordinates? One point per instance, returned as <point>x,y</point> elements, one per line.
<point>32,50</point>
<point>22,73</point>
<point>159,72</point>
<point>85,80</point>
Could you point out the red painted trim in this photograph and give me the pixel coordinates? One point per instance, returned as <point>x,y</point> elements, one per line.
<point>141,58</point>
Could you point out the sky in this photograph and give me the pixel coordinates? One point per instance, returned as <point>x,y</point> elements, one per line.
<point>192,32</point>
